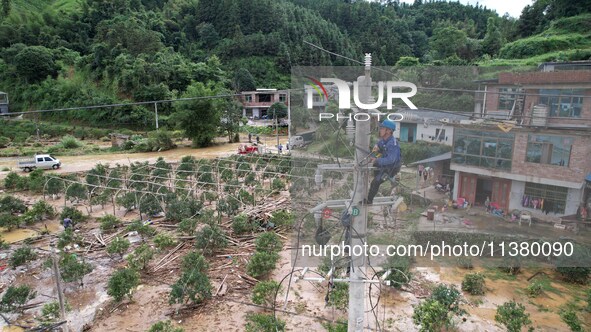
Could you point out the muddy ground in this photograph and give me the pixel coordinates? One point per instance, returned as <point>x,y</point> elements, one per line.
<point>305,309</point>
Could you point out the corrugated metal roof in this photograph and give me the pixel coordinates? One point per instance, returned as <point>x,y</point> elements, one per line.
<point>440,157</point>
<point>424,114</point>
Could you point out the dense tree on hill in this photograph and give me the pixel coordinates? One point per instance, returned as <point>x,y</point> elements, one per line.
<point>447,41</point>
<point>199,118</point>
<point>5,7</point>
<point>35,63</point>
<point>114,51</point>
<point>567,8</point>
<point>532,19</point>
<point>537,16</point>
<point>243,81</point>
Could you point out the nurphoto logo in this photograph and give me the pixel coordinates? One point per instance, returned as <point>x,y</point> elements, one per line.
<point>344,93</point>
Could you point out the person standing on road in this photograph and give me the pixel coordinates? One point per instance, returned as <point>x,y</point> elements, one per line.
<point>388,159</point>
<point>249,138</point>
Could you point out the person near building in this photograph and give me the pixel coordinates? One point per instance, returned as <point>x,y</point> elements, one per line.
<point>388,159</point>
<point>249,138</point>
<point>426,173</point>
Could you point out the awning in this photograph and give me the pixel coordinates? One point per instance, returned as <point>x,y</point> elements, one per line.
<point>440,157</point>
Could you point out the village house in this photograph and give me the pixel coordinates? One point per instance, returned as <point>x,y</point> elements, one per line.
<point>255,104</point>
<point>427,125</point>
<point>538,160</point>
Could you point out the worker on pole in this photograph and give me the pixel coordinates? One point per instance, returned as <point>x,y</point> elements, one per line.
<point>386,156</point>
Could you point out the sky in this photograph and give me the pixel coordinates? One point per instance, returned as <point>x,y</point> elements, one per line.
<point>513,7</point>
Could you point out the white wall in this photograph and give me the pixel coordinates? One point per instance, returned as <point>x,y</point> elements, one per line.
<point>456,184</point>
<point>255,112</point>
<point>430,131</point>
<point>517,190</point>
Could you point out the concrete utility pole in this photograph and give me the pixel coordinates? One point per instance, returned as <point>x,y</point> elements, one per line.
<point>358,226</point>
<point>359,223</point>
<point>289,118</point>
<point>276,128</point>
<point>156,114</point>
<point>60,294</point>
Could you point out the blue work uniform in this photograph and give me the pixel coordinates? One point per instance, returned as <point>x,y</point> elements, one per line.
<point>388,164</point>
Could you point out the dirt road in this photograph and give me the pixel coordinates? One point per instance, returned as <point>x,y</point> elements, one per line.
<point>83,163</point>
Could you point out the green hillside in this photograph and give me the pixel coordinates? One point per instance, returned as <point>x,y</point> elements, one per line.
<point>68,53</point>
<point>566,39</point>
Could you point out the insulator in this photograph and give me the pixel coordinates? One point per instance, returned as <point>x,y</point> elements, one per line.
<point>318,218</point>
<point>318,177</point>
<point>367,60</point>
<point>350,130</point>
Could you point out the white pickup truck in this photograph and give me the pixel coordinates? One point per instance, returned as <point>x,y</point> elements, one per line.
<point>296,142</point>
<point>43,161</point>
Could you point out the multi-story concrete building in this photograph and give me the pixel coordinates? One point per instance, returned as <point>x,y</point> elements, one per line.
<point>255,104</point>
<point>540,158</point>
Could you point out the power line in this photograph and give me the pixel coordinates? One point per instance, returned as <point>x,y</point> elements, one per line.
<point>443,89</point>
<point>350,59</point>
<point>91,107</point>
<point>80,108</point>
<point>469,91</point>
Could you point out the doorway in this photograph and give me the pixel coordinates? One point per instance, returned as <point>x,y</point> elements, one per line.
<point>484,188</point>
<point>408,132</point>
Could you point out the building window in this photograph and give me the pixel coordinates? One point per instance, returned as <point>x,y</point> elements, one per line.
<point>283,98</point>
<point>507,98</point>
<point>483,149</point>
<point>547,198</point>
<point>554,150</point>
<point>566,103</point>
<point>439,135</point>
<point>266,98</point>
<point>248,98</point>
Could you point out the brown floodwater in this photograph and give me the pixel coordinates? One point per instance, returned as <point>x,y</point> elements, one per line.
<point>20,234</point>
<point>543,309</point>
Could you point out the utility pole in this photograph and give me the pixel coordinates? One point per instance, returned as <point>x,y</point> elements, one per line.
<point>359,223</point>
<point>357,226</point>
<point>276,128</point>
<point>60,295</point>
<point>156,114</point>
<point>288,118</point>
<point>37,127</point>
